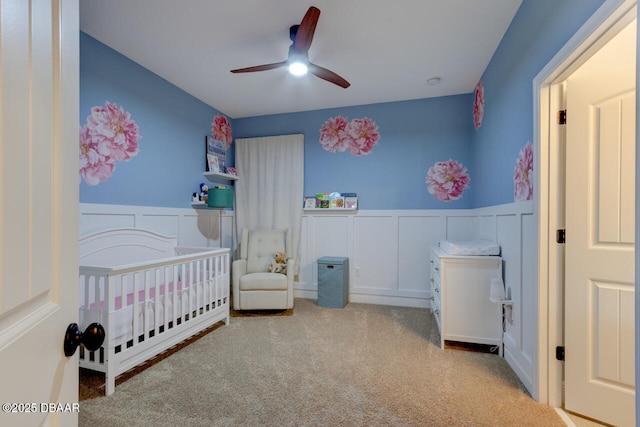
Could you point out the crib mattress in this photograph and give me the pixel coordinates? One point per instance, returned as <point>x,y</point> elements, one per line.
<point>470,247</point>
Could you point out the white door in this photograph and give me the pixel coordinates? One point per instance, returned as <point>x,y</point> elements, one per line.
<point>39,116</point>
<point>599,275</point>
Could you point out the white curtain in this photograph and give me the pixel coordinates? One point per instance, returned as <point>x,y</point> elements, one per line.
<point>270,187</point>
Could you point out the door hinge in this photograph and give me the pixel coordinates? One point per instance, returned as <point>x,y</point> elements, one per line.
<point>562,117</point>
<point>561,236</point>
<point>560,352</point>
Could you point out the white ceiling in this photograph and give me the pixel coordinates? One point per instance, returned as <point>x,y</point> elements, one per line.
<point>386,49</point>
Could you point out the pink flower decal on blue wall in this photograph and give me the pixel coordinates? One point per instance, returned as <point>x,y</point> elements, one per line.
<point>447,180</point>
<point>358,136</point>
<point>108,136</point>
<point>523,174</point>
<point>478,106</point>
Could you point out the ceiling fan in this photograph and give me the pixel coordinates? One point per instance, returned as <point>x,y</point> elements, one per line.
<point>298,60</point>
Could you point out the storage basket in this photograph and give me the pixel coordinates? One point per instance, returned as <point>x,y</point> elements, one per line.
<point>220,198</point>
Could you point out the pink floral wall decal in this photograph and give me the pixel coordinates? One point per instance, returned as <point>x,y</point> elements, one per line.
<point>333,136</point>
<point>358,136</point>
<point>221,130</point>
<point>447,180</point>
<point>363,136</point>
<point>108,136</point>
<point>478,105</point>
<point>523,174</point>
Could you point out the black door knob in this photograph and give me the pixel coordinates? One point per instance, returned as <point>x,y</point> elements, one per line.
<point>92,338</point>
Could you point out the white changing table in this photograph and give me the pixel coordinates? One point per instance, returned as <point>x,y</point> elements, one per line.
<point>460,286</point>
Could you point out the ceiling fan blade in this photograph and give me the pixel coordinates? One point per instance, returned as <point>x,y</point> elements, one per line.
<point>307,27</point>
<point>328,75</point>
<point>264,67</point>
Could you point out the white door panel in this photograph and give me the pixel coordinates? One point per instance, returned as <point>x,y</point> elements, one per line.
<point>38,210</point>
<point>600,215</point>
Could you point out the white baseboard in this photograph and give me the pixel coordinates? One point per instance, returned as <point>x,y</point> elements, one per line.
<point>368,299</point>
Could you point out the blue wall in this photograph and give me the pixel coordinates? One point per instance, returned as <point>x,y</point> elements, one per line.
<point>172,123</point>
<point>414,134</point>
<point>539,30</point>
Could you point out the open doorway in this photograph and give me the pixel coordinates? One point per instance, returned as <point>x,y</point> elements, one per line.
<point>604,358</point>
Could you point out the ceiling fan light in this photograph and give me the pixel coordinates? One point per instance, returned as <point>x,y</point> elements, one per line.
<point>298,68</point>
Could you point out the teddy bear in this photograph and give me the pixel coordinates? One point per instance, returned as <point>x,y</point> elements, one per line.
<point>279,263</point>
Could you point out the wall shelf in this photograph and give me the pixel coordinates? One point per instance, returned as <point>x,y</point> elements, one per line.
<point>214,176</point>
<point>321,210</point>
<point>205,206</point>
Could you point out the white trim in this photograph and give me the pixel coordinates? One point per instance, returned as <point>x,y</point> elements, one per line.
<point>300,292</point>
<point>637,236</point>
<point>565,417</point>
<point>590,37</point>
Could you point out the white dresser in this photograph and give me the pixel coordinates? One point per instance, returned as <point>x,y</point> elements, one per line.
<point>460,286</point>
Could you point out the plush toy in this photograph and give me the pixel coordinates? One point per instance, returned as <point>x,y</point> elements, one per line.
<point>204,192</point>
<point>275,268</point>
<point>279,263</point>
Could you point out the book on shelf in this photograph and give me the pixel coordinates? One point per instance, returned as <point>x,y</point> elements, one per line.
<point>336,202</point>
<point>309,202</point>
<point>351,202</point>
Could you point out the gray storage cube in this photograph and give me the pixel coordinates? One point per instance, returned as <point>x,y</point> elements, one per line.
<point>333,281</point>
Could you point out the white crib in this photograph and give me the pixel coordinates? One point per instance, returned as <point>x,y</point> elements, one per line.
<point>148,294</point>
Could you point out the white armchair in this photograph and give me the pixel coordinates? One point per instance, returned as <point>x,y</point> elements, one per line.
<point>253,287</point>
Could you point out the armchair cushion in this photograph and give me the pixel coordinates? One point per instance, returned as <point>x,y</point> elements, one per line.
<point>263,281</point>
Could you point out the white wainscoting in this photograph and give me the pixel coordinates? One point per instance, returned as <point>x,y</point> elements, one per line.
<point>192,227</point>
<point>388,253</point>
<point>513,226</point>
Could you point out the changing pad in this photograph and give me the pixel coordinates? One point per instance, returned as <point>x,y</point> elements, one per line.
<point>470,247</point>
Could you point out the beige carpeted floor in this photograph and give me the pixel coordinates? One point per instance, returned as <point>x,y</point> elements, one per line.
<point>364,365</point>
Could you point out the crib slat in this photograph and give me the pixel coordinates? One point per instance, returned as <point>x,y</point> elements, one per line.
<point>189,272</point>
<point>200,293</point>
<point>206,290</point>
<point>215,267</point>
<point>184,304</point>
<point>137,277</point>
<point>168,284</point>
<point>157,300</point>
<point>100,283</point>
<point>174,295</point>
<point>210,286</point>
<point>146,309</point>
<point>124,291</point>
<point>216,280</point>
<point>170,288</point>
